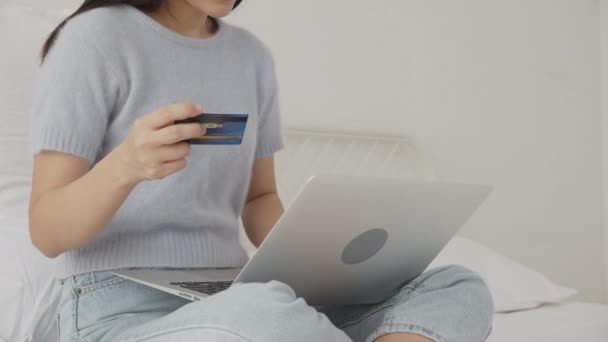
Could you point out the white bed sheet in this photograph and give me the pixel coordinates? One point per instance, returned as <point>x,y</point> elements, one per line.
<point>567,322</point>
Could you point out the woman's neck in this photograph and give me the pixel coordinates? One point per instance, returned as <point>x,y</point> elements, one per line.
<point>181,17</point>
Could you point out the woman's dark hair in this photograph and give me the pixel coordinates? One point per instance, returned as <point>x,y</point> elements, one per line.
<point>87,5</point>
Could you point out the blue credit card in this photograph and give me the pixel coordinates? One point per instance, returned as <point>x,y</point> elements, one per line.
<point>222,129</point>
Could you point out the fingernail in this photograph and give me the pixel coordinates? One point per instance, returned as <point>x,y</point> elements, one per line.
<point>198,107</point>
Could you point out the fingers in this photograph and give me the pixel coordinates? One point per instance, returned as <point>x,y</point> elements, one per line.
<point>166,169</point>
<point>156,144</point>
<point>173,152</point>
<point>164,160</point>
<point>169,114</point>
<point>176,133</point>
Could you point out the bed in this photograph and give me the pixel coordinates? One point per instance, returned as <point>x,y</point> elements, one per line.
<point>573,321</point>
<point>529,306</point>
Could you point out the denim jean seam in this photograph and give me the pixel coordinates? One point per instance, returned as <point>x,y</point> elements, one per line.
<point>365,315</point>
<point>98,325</point>
<point>409,287</point>
<point>86,279</point>
<point>80,293</point>
<point>74,314</point>
<point>58,325</point>
<point>98,286</point>
<point>489,331</point>
<point>387,304</point>
<point>195,326</point>
<point>385,329</point>
<point>391,318</point>
<point>415,284</point>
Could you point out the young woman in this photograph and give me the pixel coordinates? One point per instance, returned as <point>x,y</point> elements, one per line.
<point>115,186</point>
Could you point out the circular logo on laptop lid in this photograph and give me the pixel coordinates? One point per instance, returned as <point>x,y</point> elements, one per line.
<point>364,246</point>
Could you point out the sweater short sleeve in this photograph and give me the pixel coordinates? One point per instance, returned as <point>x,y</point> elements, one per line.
<point>74,95</point>
<point>270,137</point>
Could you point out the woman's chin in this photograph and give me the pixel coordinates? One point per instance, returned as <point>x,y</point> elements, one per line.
<point>219,11</point>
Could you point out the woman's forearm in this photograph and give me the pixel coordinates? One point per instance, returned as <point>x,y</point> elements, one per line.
<point>260,215</point>
<point>73,215</point>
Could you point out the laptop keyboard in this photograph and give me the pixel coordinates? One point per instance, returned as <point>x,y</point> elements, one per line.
<point>206,287</point>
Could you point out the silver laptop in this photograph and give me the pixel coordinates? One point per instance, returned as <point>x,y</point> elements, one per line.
<point>343,240</point>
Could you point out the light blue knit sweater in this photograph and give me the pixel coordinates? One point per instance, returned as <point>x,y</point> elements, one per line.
<point>112,65</point>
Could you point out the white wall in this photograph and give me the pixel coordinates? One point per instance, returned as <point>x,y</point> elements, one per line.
<point>502,92</point>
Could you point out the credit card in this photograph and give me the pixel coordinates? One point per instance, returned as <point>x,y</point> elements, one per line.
<point>222,129</point>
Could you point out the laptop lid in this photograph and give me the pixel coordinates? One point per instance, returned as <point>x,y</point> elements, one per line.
<point>358,239</point>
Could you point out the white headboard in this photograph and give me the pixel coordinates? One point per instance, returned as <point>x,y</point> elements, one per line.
<point>311,152</point>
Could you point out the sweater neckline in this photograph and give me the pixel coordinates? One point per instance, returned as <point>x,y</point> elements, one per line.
<point>176,37</point>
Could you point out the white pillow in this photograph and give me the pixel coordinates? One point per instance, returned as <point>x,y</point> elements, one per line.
<point>22,32</point>
<point>513,286</point>
<point>24,275</point>
<point>24,272</point>
<point>12,289</point>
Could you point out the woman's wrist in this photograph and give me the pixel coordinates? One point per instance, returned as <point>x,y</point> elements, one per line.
<point>115,165</point>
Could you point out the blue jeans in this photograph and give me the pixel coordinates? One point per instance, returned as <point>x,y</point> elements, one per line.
<point>444,304</point>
